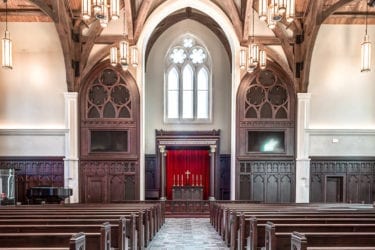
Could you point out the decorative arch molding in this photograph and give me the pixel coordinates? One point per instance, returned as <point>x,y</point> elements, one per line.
<point>218,15</point>
<point>266,106</point>
<point>109,135</point>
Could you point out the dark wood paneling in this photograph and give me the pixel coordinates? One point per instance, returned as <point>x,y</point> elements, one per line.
<point>153,177</point>
<point>266,106</point>
<point>267,181</point>
<point>34,172</point>
<point>357,179</point>
<point>108,181</point>
<point>224,176</point>
<point>109,104</point>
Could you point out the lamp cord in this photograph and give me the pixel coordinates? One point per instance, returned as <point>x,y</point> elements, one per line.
<point>6,15</point>
<point>124,23</point>
<point>252,38</point>
<point>366,17</point>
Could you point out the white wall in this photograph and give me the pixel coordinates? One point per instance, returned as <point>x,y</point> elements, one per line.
<point>221,83</point>
<point>31,95</point>
<point>342,119</point>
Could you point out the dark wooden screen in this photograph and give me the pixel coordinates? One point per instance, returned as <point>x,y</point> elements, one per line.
<point>265,168</point>
<point>356,175</point>
<point>34,172</point>
<point>109,166</point>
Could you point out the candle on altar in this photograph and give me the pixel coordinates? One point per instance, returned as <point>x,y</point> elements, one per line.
<point>192,179</point>
<point>174,180</point>
<point>182,180</point>
<point>201,180</point>
<point>178,180</point>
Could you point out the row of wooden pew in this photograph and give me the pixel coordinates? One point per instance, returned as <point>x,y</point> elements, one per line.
<point>294,226</point>
<point>80,226</point>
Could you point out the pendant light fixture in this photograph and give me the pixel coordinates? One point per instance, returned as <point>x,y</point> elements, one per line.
<point>366,48</point>
<point>273,11</point>
<point>253,50</point>
<point>121,55</point>
<point>7,43</point>
<point>101,10</point>
<point>255,56</point>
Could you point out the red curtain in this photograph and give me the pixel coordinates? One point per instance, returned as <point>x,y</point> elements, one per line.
<point>197,162</point>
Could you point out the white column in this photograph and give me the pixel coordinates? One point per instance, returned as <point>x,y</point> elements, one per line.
<point>212,172</point>
<point>71,161</point>
<point>303,160</point>
<point>163,185</point>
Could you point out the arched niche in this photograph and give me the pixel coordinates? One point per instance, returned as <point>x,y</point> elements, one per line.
<point>109,134</point>
<point>265,132</point>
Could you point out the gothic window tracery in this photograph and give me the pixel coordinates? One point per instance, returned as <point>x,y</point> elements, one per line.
<point>267,98</point>
<point>109,97</point>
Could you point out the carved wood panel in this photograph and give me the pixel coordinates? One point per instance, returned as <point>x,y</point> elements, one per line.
<point>265,132</point>
<point>34,172</point>
<point>267,181</point>
<point>358,175</point>
<point>108,181</point>
<point>109,166</point>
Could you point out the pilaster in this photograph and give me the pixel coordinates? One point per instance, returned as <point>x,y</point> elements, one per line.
<point>71,161</point>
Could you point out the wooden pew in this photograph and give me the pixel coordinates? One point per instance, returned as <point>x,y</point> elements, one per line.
<point>76,242</point>
<point>40,241</point>
<point>147,220</point>
<point>230,222</point>
<point>255,234</point>
<point>282,240</point>
<point>239,225</point>
<point>299,242</point>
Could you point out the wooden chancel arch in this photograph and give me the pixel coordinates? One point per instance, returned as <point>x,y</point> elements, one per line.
<point>265,166</point>
<point>109,142</point>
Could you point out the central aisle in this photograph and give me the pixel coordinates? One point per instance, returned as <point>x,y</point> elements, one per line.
<point>187,234</point>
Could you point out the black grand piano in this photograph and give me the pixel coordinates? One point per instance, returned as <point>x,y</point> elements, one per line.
<point>37,195</point>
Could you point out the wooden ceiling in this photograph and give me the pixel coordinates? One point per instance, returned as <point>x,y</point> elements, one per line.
<point>78,37</point>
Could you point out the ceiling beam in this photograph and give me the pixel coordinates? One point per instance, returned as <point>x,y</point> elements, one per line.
<point>326,13</point>
<point>247,20</point>
<point>230,8</point>
<point>45,8</point>
<point>143,12</point>
<point>129,19</point>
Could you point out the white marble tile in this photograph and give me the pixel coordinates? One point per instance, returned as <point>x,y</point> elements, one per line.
<point>187,234</point>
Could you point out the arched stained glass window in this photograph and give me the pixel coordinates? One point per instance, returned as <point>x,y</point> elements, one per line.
<point>188,83</point>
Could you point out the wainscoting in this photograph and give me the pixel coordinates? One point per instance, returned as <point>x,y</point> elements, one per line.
<point>342,180</point>
<point>34,172</point>
<point>108,181</point>
<point>267,181</point>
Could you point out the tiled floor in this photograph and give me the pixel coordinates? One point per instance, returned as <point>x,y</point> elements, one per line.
<point>187,234</point>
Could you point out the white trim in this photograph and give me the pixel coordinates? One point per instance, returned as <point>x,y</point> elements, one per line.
<point>214,11</point>
<point>340,131</point>
<point>33,131</point>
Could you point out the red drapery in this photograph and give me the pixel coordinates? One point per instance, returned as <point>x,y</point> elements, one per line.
<point>197,162</point>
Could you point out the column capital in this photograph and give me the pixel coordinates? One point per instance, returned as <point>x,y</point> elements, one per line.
<point>162,148</point>
<point>212,148</point>
<point>70,95</point>
<point>304,96</point>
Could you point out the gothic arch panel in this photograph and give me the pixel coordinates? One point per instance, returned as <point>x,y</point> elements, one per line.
<point>266,104</point>
<point>109,143</point>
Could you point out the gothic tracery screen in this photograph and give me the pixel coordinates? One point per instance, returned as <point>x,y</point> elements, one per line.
<point>109,97</point>
<point>266,98</point>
